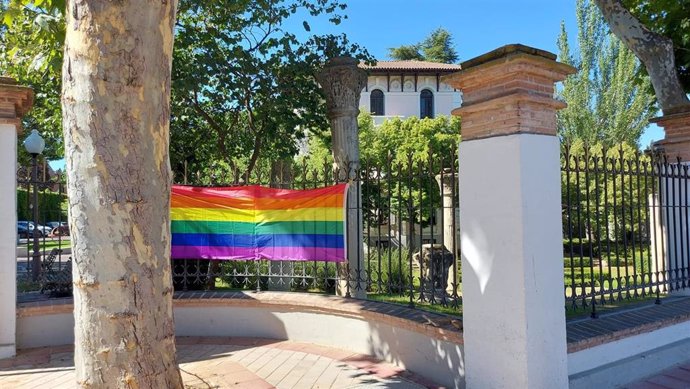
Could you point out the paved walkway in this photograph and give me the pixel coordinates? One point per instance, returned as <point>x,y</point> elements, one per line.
<point>675,378</point>
<point>246,363</point>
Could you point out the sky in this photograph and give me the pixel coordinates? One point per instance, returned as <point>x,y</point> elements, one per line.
<point>477,26</point>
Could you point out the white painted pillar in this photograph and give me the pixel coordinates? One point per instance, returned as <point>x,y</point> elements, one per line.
<point>342,82</point>
<point>14,102</point>
<point>510,220</point>
<point>670,234</point>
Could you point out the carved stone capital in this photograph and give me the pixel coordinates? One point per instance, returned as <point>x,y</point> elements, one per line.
<point>342,81</point>
<point>15,100</point>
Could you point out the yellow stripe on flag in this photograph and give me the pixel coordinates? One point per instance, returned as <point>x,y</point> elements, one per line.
<point>257,216</point>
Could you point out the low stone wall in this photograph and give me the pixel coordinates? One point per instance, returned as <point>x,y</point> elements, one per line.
<point>425,343</point>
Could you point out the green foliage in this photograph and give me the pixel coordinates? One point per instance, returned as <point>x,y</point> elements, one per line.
<point>604,198</point>
<point>401,157</point>
<point>389,270</point>
<point>405,53</point>
<point>670,18</point>
<point>243,87</point>
<point>608,102</point>
<point>31,40</point>
<point>52,206</point>
<point>437,47</point>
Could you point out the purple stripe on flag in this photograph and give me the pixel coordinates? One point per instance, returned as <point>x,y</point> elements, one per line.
<point>271,253</point>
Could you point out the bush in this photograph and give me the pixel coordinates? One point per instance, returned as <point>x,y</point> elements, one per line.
<point>393,275</point>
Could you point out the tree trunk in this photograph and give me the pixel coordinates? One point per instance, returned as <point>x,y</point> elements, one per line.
<point>116,113</point>
<point>654,50</point>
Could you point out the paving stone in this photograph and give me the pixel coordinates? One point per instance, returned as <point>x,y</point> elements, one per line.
<point>249,364</point>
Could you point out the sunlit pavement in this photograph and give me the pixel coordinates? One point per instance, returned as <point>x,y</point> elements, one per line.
<point>248,363</point>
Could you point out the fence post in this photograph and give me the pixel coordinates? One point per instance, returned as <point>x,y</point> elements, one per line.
<point>510,219</point>
<point>15,101</point>
<point>671,259</point>
<point>446,181</point>
<point>342,81</point>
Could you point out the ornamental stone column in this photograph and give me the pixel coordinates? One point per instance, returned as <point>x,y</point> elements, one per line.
<point>510,220</point>
<point>447,183</point>
<point>342,82</point>
<point>671,216</point>
<point>15,101</point>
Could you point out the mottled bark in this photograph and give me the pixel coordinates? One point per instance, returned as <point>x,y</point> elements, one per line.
<point>654,50</point>
<point>116,110</point>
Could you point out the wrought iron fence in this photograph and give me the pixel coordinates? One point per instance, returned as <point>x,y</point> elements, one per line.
<point>625,221</point>
<point>43,238</point>
<point>408,224</point>
<point>626,229</point>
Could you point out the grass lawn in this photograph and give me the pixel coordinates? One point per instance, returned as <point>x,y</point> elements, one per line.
<point>47,245</point>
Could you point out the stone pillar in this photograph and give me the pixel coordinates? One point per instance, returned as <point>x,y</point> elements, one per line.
<point>15,101</point>
<point>447,182</point>
<point>342,81</point>
<point>669,234</point>
<point>510,220</point>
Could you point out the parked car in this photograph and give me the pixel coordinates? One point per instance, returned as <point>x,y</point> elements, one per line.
<point>22,231</point>
<point>29,226</point>
<point>45,230</point>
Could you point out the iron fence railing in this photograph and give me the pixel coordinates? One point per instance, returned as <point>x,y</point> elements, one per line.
<point>43,245</point>
<point>408,216</point>
<point>625,226</point>
<point>626,230</point>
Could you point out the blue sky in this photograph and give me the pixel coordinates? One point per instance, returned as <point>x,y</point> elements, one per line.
<point>477,26</point>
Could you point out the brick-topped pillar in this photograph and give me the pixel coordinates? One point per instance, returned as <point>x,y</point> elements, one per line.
<point>510,220</point>
<point>676,142</point>
<point>342,82</point>
<point>15,101</point>
<point>672,204</point>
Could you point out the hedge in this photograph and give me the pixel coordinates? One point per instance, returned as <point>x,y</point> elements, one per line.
<point>51,206</point>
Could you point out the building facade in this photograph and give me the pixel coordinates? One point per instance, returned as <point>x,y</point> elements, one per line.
<point>408,88</point>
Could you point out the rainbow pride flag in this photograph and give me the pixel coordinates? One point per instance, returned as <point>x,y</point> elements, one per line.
<point>254,222</point>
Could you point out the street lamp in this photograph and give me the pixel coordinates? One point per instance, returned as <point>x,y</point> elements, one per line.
<point>34,145</point>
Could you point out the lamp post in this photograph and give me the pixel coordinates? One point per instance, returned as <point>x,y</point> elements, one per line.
<point>34,145</point>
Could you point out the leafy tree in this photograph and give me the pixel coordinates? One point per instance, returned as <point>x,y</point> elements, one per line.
<point>406,53</point>
<point>655,50</point>
<point>31,45</point>
<point>241,83</point>
<point>401,158</point>
<point>437,47</point>
<point>244,83</point>
<point>670,18</point>
<point>608,102</point>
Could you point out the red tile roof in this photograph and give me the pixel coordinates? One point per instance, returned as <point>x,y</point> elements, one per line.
<point>419,66</point>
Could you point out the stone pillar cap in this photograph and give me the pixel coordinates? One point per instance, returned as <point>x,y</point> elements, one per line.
<point>546,60</point>
<point>506,51</point>
<point>15,100</point>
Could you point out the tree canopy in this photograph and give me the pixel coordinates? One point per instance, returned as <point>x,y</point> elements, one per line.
<point>31,49</point>
<point>437,47</point>
<point>657,51</point>
<point>609,101</point>
<point>242,84</point>
<point>670,18</point>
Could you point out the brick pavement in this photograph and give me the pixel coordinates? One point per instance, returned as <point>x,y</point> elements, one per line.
<point>674,378</point>
<point>239,363</point>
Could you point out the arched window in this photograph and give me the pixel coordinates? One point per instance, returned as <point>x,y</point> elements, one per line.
<point>376,103</point>
<point>426,104</point>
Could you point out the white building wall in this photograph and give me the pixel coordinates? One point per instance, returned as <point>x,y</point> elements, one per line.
<point>405,102</point>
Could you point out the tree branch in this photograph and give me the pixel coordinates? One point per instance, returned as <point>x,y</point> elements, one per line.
<point>654,50</point>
